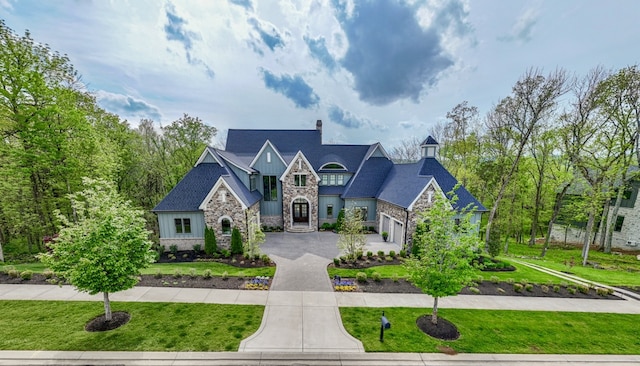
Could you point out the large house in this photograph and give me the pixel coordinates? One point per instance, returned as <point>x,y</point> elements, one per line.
<point>290,180</point>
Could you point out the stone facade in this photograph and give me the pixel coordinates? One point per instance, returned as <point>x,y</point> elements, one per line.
<point>422,204</point>
<point>223,204</point>
<point>291,192</point>
<point>273,221</point>
<point>181,243</point>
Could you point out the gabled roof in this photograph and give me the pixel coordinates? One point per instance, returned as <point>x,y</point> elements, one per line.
<point>447,182</point>
<point>292,162</point>
<point>241,162</point>
<point>369,178</point>
<point>403,184</point>
<point>189,193</point>
<point>262,149</point>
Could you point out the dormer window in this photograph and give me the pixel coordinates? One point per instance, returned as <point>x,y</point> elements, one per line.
<point>333,166</point>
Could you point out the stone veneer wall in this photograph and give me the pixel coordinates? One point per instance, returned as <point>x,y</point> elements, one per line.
<point>290,192</point>
<point>422,204</point>
<point>392,210</point>
<point>274,221</point>
<point>223,203</point>
<point>181,243</point>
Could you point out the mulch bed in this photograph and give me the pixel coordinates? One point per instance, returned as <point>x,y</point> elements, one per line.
<point>444,329</point>
<point>100,324</point>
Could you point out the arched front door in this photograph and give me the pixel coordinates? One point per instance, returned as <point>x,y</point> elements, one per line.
<point>301,211</point>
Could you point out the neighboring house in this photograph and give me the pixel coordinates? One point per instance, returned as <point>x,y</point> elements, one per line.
<point>291,180</point>
<point>626,231</point>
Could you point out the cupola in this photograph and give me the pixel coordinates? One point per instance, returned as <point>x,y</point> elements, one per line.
<point>429,147</point>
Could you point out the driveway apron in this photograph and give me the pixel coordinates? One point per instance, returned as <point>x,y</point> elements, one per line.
<point>301,314</point>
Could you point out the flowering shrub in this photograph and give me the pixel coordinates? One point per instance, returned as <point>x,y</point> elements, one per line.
<point>341,285</point>
<point>258,283</point>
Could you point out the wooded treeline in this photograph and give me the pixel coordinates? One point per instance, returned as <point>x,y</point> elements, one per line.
<point>53,133</point>
<point>555,136</point>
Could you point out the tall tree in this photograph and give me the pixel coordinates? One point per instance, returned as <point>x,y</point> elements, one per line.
<point>446,250</point>
<point>591,144</point>
<point>619,102</point>
<point>105,248</point>
<point>514,119</point>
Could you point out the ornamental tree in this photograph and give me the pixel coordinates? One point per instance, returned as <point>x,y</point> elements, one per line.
<point>447,243</point>
<point>351,240</point>
<point>104,248</point>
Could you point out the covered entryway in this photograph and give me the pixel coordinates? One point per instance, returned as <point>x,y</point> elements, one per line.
<point>300,211</point>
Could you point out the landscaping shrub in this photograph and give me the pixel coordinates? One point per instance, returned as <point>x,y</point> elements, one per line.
<point>193,272</point>
<point>158,274</point>
<point>392,253</point>
<point>517,287</point>
<point>359,255</point>
<point>380,253</point>
<point>26,275</point>
<point>177,273</point>
<point>210,241</point>
<point>388,258</point>
<point>225,253</point>
<point>583,289</point>
<point>197,248</point>
<point>265,259</point>
<point>556,288</point>
<point>511,281</point>
<point>225,275</point>
<point>494,279</point>
<point>376,276</point>
<point>48,274</point>
<point>13,273</point>
<point>340,220</point>
<point>236,241</point>
<point>361,277</point>
<point>173,249</point>
<point>493,245</point>
<point>394,277</point>
<point>207,273</point>
<point>369,254</point>
<point>336,262</point>
<point>528,287</point>
<point>571,290</point>
<point>403,253</point>
<point>544,288</point>
<point>524,281</point>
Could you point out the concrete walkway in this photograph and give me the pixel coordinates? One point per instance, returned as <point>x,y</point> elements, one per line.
<point>301,313</point>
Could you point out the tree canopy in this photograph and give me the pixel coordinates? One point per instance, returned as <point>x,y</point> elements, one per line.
<point>103,247</point>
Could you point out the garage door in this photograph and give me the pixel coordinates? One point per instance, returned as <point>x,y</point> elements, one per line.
<point>397,232</point>
<point>385,224</point>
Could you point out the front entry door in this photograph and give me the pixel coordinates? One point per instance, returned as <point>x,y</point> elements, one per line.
<point>301,212</point>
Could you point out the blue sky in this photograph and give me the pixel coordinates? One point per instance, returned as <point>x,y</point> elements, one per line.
<point>373,71</point>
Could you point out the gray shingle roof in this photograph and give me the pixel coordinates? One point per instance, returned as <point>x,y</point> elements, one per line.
<point>369,178</point>
<point>189,193</point>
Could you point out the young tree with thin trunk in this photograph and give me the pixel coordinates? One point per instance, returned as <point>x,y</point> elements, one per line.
<point>351,240</point>
<point>104,250</point>
<point>446,250</point>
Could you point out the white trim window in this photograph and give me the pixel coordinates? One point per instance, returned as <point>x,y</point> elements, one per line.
<point>226,224</point>
<point>183,225</point>
<point>300,180</point>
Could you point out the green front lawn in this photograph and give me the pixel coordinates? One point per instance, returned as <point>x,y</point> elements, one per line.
<point>216,268</point>
<point>492,331</point>
<point>58,325</point>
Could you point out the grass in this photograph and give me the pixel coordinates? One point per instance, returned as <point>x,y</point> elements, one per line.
<point>493,331</point>
<point>57,325</point>
<point>388,271</point>
<point>615,270</point>
<point>169,268</point>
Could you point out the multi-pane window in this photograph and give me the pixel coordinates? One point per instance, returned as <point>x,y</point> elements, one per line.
<point>332,179</point>
<point>329,211</point>
<point>226,226</point>
<point>325,179</point>
<point>183,226</point>
<point>300,180</point>
<point>270,185</point>
<point>340,179</point>
<point>619,222</point>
